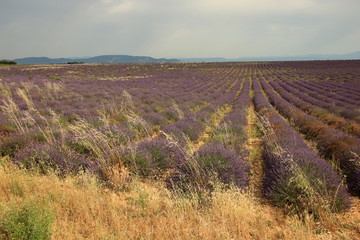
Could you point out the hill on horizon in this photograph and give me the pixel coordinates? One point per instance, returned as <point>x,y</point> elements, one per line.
<point>96,59</point>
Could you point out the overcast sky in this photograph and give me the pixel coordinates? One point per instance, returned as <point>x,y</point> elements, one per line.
<point>178,28</point>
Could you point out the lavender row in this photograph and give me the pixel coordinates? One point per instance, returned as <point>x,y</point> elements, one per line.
<point>329,81</point>
<point>333,97</point>
<point>350,91</point>
<point>344,75</point>
<point>121,134</point>
<point>177,119</point>
<point>224,153</point>
<point>111,88</point>
<point>168,150</point>
<point>332,106</point>
<point>193,125</point>
<point>299,91</point>
<point>293,171</point>
<point>331,143</point>
<point>69,109</point>
<point>225,89</point>
<point>336,122</point>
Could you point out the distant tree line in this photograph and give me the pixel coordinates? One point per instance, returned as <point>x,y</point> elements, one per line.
<point>7,62</point>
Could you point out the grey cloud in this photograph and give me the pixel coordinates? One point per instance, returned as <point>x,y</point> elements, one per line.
<point>182,28</point>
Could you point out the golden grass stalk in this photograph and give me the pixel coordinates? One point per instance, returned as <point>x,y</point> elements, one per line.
<point>10,108</point>
<point>104,148</point>
<point>177,109</point>
<point>53,90</point>
<point>5,89</point>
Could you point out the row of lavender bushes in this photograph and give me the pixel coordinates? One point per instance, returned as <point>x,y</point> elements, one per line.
<point>223,156</point>
<point>330,104</point>
<point>51,149</point>
<point>87,94</point>
<point>109,148</point>
<point>324,99</point>
<point>310,78</point>
<point>349,91</point>
<point>170,151</point>
<point>295,176</point>
<point>340,123</point>
<point>331,94</point>
<point>338,76</point>
<point>335,145</point>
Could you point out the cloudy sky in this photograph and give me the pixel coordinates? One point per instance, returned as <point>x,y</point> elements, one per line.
<point>178,28</point>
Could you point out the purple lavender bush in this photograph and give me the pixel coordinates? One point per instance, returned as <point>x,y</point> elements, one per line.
<point>185,128</point>
<point>154,119</point>
<point>212,160</point>
<point>46,157</point>
<point>150,157</point>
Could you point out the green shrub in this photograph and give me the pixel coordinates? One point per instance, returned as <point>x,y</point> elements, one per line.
<point>32,221</point>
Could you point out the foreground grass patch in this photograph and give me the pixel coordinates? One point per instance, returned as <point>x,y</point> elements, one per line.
<point>31,220</point>
<point>80,208</point>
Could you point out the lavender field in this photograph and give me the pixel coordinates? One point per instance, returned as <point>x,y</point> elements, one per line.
<point>190,126</point>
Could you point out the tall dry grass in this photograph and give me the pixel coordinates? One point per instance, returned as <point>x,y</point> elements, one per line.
<point>83,209</point>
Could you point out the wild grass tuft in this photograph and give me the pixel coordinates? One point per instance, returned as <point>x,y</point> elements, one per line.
<point>105,148</point>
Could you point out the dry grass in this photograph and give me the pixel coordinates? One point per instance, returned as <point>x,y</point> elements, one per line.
<point>147,210</point>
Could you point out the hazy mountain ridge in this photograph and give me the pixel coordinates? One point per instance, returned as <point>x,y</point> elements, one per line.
<point>96,59</point>
<point>349,56</point>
